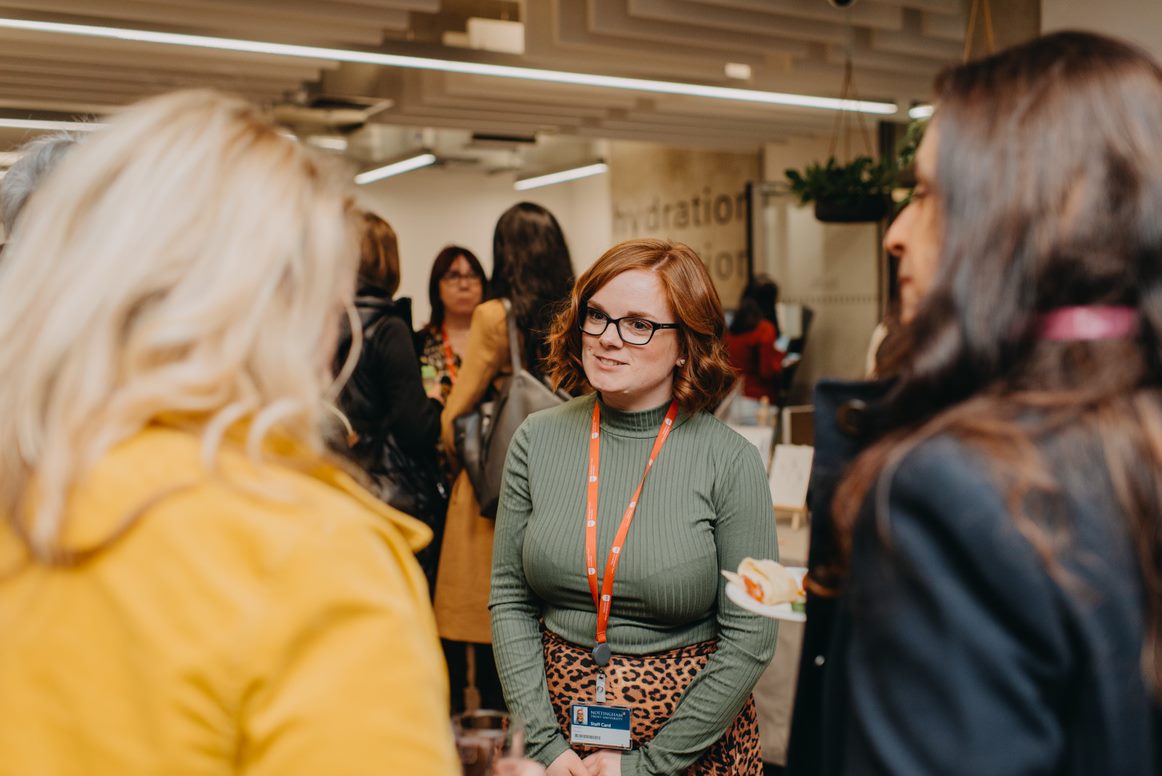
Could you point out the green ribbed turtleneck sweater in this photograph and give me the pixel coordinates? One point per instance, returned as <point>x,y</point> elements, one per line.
<point>705,506</point>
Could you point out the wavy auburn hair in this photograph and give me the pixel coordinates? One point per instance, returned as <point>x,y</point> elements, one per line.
<point>1049,182</point>
<point>707,375</point>
<point>187,264</point>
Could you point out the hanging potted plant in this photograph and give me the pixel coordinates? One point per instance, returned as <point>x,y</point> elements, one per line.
<point>855,192</point>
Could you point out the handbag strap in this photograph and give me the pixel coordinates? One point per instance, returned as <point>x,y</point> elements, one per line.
<point>513,340</point>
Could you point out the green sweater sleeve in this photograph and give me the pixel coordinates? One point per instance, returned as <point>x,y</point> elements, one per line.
<point>746,642</point>
<point>516,635</point>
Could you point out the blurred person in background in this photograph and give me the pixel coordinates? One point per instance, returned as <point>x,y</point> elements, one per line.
<point>394,425</point>
<point>751,344</point>
<point>532,269</point>
<point>457,284</point>
<point>187,583</point>
<point>36,159</point>
<point>643,332</point>
<point>998,544</point>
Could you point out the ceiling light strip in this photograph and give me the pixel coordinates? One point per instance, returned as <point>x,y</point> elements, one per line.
<point>396,168</point>
<point>572,174</point>
<point>50,126</point>
<point>452,66</point>
<point>922,111</point>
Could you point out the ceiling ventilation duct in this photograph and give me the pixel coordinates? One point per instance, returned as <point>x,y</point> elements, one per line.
<point>329,113</point>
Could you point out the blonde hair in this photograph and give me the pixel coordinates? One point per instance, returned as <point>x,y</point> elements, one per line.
<point>186,262</point>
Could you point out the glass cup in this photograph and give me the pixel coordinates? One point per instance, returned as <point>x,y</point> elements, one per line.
<point>480,737</point>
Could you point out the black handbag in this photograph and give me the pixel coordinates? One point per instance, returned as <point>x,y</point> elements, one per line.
<point>410,483</point>
<point>482,436</point>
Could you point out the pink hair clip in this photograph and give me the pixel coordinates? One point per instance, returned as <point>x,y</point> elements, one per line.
<point>1087,323</point>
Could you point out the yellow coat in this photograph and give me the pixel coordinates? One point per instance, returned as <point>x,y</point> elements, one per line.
<point>466,555</point>
<point>228,632</point>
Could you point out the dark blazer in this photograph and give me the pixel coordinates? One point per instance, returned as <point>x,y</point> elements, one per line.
<point>955,650</point>
<point>844,426</point>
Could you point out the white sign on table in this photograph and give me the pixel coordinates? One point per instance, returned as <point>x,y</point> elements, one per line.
<point>790,476</point>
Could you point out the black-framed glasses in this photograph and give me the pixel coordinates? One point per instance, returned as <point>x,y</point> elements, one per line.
<point>632,329</point>
<point>455,277</point>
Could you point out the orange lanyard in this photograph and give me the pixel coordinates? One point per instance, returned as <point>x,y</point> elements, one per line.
<point>449,356</point>
<point>604,603</point>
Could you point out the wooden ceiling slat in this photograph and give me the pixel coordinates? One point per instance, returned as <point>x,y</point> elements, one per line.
<point>328,10</point>
<point>507,88</point>
<point>869,14</point>
<point>426,6</point>
<point>268,25</point>
<point>915,45</point>
<point>55,84</point>
<point>698,17</point>
<point>667,138</point>
<point>726,125</point>
<point>111,98</point>
<point>87,71</point>
<point>950,7</point>
<point>433,91</point>
<point>610,17</point>
<point>43,45</point>
<point>557,37</point>
<point>451,120</point>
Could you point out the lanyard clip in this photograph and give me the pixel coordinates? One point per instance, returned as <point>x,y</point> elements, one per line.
<point>601,654</point>
<point>599,693</point>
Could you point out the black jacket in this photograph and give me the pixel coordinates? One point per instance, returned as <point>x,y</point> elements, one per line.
<point>843,428</point>
<point>386,393</point>
<point>954,650</point>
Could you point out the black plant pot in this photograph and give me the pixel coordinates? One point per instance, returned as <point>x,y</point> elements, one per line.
<point>874,209</point>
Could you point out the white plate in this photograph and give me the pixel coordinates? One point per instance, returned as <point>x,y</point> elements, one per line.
<point>735,593</point>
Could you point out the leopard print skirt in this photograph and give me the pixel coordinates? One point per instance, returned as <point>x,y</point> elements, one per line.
<point>651,685</point>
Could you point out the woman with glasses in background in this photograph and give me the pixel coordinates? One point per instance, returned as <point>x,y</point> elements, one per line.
<point>531,268</point>
<point>643,333</point>
<point>456,286</point>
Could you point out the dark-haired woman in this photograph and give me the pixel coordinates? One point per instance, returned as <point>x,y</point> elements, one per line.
<point>750,341</point>
<point>531,268</point>
<point>457,284</point>
<point>672,498</point>
<point>1003,609</point>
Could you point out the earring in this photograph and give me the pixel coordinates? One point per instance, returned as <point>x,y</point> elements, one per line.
<point>681,362</point>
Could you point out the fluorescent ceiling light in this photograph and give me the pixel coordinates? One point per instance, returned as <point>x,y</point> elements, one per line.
<point>396,168</point>
<point>920,112</point>
<point>328,142</point>
<point>50,126</point>
<point>523,184</point>
<point>452,66</point>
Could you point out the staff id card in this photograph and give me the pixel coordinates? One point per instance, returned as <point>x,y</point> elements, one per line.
<point>602,726</point>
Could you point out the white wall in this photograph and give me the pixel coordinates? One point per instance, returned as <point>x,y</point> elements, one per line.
<point>1139,21</point>
<point>831,268</point>
<point>434,207</point>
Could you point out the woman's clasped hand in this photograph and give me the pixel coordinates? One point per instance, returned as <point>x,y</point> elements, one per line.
<point>604,762</point>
